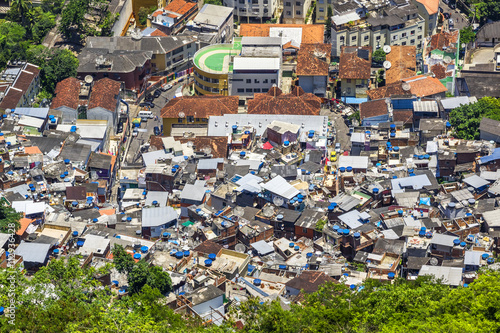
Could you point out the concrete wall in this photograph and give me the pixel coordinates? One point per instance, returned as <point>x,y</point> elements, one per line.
<point>124,10</point>
<point>258,84</point>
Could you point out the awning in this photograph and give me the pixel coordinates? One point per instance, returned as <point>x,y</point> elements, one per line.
<point>267,146</point>
<point>187,224</point>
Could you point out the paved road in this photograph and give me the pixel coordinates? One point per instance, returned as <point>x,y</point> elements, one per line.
<point>133,154</point>
<point>460,20</point>
<point>341,128</point>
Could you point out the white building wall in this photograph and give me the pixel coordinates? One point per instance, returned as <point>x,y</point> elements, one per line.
<point>253,83</point>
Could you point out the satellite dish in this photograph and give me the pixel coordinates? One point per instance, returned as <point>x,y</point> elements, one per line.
<point>278,201</point>
<point>240,248</point>
<point>207,150</point>
<point>182,114</point>
<point>268,211</point>
<point>387,64</point>
<point>238,211</point>
<point>406,86</point>
<point>88,79</point>
<point>447,59</point>
<point>190,144</point>
<point>387,49</point>
<point>434,262</point>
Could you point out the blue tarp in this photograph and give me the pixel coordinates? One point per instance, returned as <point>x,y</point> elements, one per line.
<point>492,157</point>
<point>354,100</point>
<point>425,201</point>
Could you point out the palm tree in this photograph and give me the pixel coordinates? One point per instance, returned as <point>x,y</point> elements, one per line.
<point>23,7</point>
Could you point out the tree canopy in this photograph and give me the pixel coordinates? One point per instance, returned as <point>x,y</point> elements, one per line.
<point>9,219</point>
<point>378,56</point>
<point>485,9</point>
<point>466,118</point>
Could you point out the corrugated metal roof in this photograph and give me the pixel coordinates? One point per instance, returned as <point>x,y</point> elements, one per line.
<point>351,219</point>
<point>475,181</point>
<point>33,252</point>
<point>425,106</point>
<point>415,182</point>
<point>156,216</point>
<point>279,186</point>
<point>449,275</point>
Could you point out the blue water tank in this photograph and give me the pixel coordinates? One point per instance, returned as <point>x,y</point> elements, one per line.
<point>296,247</point>
<point>282,266</point>
<point>95,220</point>
<point>179,254</point>
<point>300,200</point>
<point>340,231</point>
<point>286,143</point>
<point>426,156</point>
<point>2,309</point>
<point>144,249</point>
<point>309,254</point>
<point>166,234</point>
<point>490,260</point>
<point>342,169</point>
<point>400,212</point>
<point>485,256</point>
<point>391,275</point>
<point>428,234</point>
<point>388,144</point>
<point>448,124</point>
<point>421,233</point>
<point>352,287</point>
<point>300,196</point>
<point>424,229</point>
<point>346,232</point>
<point>212,256</point>
<point>115,282</point>
<point>410,170</point>
<point>411,174</point>
<point>291,244</point>
<point>137,256</point>
<point>456,242</point>
<point>393,135</point>
<point>242,154</point>
<point>392,126</point>
<point>56,251</point>
<point>463,244</point>
<point>75,233</point>
<point>129,219</point>
<point>155,202</point>
<point>375,190</point>
<point>420,157</point>
<point>349,169</point>
<point>80,243</point>
<point>396,148</point>
<point>186,253</point>
<point>279,217</point>
<point>257,282</point>
<point>466,285</point>
<point>208,262</point>
<point>378,165</point>
<point>356,235</point>
<point>336,227</point>
<point>62,175</point>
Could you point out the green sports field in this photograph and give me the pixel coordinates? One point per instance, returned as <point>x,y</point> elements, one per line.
<point>213,58</point>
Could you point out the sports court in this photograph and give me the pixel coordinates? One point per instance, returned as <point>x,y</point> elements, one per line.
<point>216,58</point>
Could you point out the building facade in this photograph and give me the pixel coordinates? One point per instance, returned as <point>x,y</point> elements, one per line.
<point>295,11</point>
<point>252,10</point>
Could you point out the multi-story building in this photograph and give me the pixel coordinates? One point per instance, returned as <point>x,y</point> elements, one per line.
<point>429,10</point>
<point>214,24</point>
<point>19,84</point>
<point>362,25</point>
<point>354,71</point>
<point>295,11</point>
<point>172,18</point>
<point>322,10</point>
<point>252,10</point>
<point>249,65</point>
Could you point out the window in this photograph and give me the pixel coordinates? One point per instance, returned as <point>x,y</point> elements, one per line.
<point>288,4</point>
<point>240,90</point>
<point>297,12</point>
<point>169,63</point>
<point>242,1</point>
<point>154,56</point>
<point>249,90</point>
<point>304,230</point>
<point>153,64</point>
<point>403,43</point>
<point>264,90</point>
<point>419,37</point>
<point>105,74</point>
<point>265,2</point>
<point>353,38</point>
<point>197,119</point>
<point>419,28</point>
<point>177,50</point>
<point>257,90</point>
<point>377,38</point>
<point>403,35</point>
<point>214,80</point>
<point>366,38</point>
<point>348,80</point>
<point>273,80</point>
<point>180,120</point>
<point>255,2</point>
<point>289,13</point>
<point>297,3</point>
<point>188,46</point>
<point>190,119</point>
<point>249,80</point>
<point>265,81</point>
<point>395,37</point>
<point>412,42</point>
<point>412,32</point>
<point>321,9</point>
<point>256,81</point>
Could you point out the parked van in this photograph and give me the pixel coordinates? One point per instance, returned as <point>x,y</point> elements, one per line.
<point>145,115</point>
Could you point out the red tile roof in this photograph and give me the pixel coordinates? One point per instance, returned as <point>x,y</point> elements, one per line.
<point>200,106</point>
<point>180,6</point>
<point>387,91</point>
<point>309,281</point>
<point>20,87</point>
<point>422,86</point>
<point>313,59</point>
<point>25,222</point>
<point>443,39</point>
<point>274,102</point>
<point>355,62</point>
<point>32,150</point>
<point>403,61</point>
<point>158,33</point>
<point>311,33</point>
<point>405,115</point>
<point>104,94</point>
<point>67,94</point>
<point>372,109</point>
<point>439,71</point>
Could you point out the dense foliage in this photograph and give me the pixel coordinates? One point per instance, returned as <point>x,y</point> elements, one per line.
<point>378,56</point>
<point>64,297</point>
<point>485,9</point>
<point>466,118</point>
<point>9,219</point>
<point>144,12</point>
<point>73,23</point>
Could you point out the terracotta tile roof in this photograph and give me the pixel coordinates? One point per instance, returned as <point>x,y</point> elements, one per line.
<point>76,193</point>
<point>20,87</point>
<point>422,86</point>
<point>403,63</point>
<point>439,71</point>
<point>431,6</point>
<point>309,281</point>
<point>218,144</point>
<point>67,93</point>
<point>208,247</point>
<point>387,91</point>
<point>200,106</point>
<point>24,225</point>
<point>32,150</point>
<point>443,39</point>
<point>405,115</point>
<point>355,62</point>
<point>104,94</point>
<point>155,141</point>
<point>311,33</point>
<point>111,211</point>
<point>313,59</point>
<point>180,6</point>
<point>274,102</point>
<point>158,33</point>
<point>372,108</point>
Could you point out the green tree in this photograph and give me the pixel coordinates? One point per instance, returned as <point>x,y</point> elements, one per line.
<point>378,56</point>
<point>72,18</point>
<point>143,14</point>
<point>13,43</point>
<point>23,8</point>
<point>486,9</point>
<point>9,219</point>
<point>467,35</point>
<point>159,279</point>
<point>122,259</point>
<point>328,23</point>
<point>42,26</point>
<point>466,118</point>
<point>214,2</point>
<point>61,64</point>
<point>320,225</point>
<point>138,276</point>
<point>53,6</point>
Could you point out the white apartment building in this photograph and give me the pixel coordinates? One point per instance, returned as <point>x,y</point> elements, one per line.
<point>252,10</point>
<point>394,25</point>
<point>254,75</point>
<point>295,11</point>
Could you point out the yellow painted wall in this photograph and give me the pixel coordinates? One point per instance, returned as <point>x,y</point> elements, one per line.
<point>159,61</point>
<point>223,82</point>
